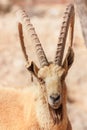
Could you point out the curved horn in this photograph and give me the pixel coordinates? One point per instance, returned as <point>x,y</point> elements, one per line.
<point>68,19</point>
<point>31,31</point>
<point>22,41</point>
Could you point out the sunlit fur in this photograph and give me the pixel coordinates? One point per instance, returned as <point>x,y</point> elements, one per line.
<point>28,109</point>
<point>52,80</point>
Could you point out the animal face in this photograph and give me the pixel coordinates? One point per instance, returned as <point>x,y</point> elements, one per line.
<point>52,78</point>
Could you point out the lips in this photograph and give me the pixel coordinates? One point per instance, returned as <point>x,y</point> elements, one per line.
<point>55,105</point>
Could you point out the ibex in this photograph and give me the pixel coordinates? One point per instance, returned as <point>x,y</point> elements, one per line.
<point>41,106</point>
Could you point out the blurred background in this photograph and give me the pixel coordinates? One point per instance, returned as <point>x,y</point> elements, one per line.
<point>46,16</point>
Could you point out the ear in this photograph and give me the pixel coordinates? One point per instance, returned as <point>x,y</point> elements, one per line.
<point>68,59</point>
<point>32,68</point>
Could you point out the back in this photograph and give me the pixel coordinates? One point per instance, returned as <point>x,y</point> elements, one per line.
<point>15,108</point>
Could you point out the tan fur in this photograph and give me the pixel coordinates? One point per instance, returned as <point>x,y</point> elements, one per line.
<point>28,109</point>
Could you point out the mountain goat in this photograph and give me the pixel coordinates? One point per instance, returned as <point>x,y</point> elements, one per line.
<point>41,106</point>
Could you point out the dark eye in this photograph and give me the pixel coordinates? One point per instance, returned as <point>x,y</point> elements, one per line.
<point>41,81</point>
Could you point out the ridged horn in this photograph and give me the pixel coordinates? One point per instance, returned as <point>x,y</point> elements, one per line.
<point>31,31</point>
<point>68,20</point>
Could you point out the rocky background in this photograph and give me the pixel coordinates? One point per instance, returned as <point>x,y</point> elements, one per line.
<point>46,17</point>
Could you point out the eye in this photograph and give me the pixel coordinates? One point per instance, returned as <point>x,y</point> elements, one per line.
<point>41,81</point>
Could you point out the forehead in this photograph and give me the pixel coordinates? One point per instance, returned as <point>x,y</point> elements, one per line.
<point>51,70</point>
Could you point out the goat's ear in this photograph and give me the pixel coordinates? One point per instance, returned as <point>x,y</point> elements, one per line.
<point>32,68</point>
<point>68,59</point>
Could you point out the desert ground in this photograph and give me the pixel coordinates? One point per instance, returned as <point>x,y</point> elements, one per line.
<point>47,21</point>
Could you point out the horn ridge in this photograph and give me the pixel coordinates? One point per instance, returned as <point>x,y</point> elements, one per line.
<point>67,20</point>
<point>40,53</point>
<point>31,31</point>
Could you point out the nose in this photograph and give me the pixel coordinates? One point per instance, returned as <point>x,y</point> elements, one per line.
<point>55,98</point>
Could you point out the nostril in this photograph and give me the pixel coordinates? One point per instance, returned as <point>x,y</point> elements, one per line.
<point>55,98</point>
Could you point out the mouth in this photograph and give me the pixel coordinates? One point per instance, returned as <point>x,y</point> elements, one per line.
<point>56,113</point>
<point>55,106</point>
